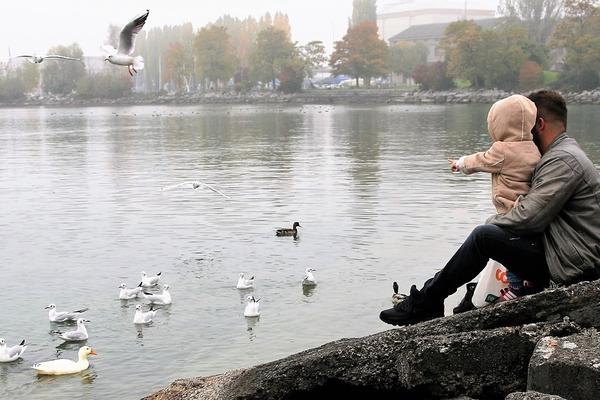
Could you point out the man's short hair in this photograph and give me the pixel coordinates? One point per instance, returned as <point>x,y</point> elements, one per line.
<point>550,105</point>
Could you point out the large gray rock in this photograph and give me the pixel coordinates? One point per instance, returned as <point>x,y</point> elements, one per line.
<point>443,358</point>
<point>567,366</point>
<point>531,395</point>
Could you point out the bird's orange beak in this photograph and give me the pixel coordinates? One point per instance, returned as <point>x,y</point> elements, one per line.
<point>93,353</point>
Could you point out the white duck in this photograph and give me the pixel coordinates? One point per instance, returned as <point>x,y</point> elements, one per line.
<point>163,298</point>
<point>149,281</point>
<point>8,354</point>
<point>63,366</point>
<point>63,316</point>
<point>77,335</point>
<point>252,307</point>
<point>245,283</point>
<point>141,317</point>
<point>122,55</point>
<point>128,294</point>
<point>309,278</point>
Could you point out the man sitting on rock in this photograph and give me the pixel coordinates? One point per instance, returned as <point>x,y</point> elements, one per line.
<point>552,234</point>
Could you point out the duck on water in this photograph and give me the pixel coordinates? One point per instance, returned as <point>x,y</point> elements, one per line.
<point>287,231</point>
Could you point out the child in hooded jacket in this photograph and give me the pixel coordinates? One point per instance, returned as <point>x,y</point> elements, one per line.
<point>511,160</point>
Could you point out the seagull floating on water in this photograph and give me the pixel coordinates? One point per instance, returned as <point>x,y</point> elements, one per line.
<point>309,278</point>
<point>149,281</point>
<point>195,185</point>
<point>77,335</point>
<point>287,231</point>
<point>122,54</point>
<point>63,316</point>
<point>40,59</point>
<point>141,317</point>
<point>128,294</point>
<point>252,307</point>
<point>163,298</point>
<point>8,354</point>
<point>63,366</point>
<point>245,283</point>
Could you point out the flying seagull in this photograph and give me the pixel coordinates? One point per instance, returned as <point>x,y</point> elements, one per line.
<point>122,55</point>
<point>195,185</point>
<point>40,59</point>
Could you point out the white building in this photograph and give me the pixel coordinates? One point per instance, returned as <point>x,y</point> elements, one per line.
<point>396,16</point>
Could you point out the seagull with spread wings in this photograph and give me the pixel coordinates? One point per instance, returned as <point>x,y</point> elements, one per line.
<point>40,59</point>
<point>195,185</point>
<point>122,54</point>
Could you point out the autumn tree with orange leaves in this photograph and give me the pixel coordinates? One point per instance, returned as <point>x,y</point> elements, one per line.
<point>361,54</point>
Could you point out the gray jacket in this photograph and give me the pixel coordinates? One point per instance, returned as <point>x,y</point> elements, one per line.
<point>564,205</point>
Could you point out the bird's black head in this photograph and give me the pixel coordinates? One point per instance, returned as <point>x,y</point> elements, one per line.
<point>297,224</point>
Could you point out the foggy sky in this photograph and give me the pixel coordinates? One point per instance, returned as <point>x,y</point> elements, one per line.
<point>32,26</point>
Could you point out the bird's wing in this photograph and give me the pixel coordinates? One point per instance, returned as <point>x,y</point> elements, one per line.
<point>80,311</point>
<point>61,316</point>
<point>187,185</point>
<point>108,49</point>
<point>73,335</point>
<point>127,36</point>
<point>59,57</point>
<point>15,350</point>
<point>206,185</point>
<point>31,59</point>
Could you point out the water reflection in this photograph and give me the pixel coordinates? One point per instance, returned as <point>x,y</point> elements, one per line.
<point>251,327</point>
<point>308,291</point>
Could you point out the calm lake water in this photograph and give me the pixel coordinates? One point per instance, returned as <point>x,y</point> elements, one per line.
<point>83,211</point>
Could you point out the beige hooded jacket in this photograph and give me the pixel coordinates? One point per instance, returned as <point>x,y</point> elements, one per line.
<point>513,155</point>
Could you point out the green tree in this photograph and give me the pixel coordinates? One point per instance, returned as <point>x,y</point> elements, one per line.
<point>363,10</point>
<point>214,54</point>
<point>291,75</point>
<point>500,56</point>
<point>579,34</point>
<point>538,16</point>
<point>30,73</point>
<point>487,58</point>
<point>313,54</point>
<point>405,57</point>
<point>361,54</point>
<point>273,50</point>
<point>60,77</point>
<point>460,43</point>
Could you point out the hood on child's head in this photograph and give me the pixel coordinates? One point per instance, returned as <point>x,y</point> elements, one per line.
<point>511,119</point>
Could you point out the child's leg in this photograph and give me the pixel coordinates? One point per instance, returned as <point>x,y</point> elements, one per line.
<point>514,281</point>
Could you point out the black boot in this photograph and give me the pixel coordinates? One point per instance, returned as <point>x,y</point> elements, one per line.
<point>413,309</point>
<point>466,303</point>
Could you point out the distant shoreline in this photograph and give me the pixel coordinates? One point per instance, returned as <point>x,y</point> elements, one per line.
<point>309,97</point>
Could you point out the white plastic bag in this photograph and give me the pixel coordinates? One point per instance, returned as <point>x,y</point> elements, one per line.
<point>491,280</point>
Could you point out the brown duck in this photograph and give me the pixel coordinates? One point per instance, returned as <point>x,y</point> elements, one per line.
<point>287,231</point>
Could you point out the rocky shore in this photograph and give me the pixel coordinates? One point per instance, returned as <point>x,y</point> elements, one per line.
<point>544,346</point>
<point>322,96</point>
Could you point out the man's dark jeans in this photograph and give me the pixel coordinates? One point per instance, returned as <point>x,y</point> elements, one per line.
<point>522,255</point>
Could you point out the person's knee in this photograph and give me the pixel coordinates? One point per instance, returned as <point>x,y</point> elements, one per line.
<point>482,233</point>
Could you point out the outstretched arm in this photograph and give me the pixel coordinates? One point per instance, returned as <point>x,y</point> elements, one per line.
<point>490,161</point>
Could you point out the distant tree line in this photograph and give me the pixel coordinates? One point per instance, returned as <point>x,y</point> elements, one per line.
<point>534,38</point>
<point>537,42</point>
